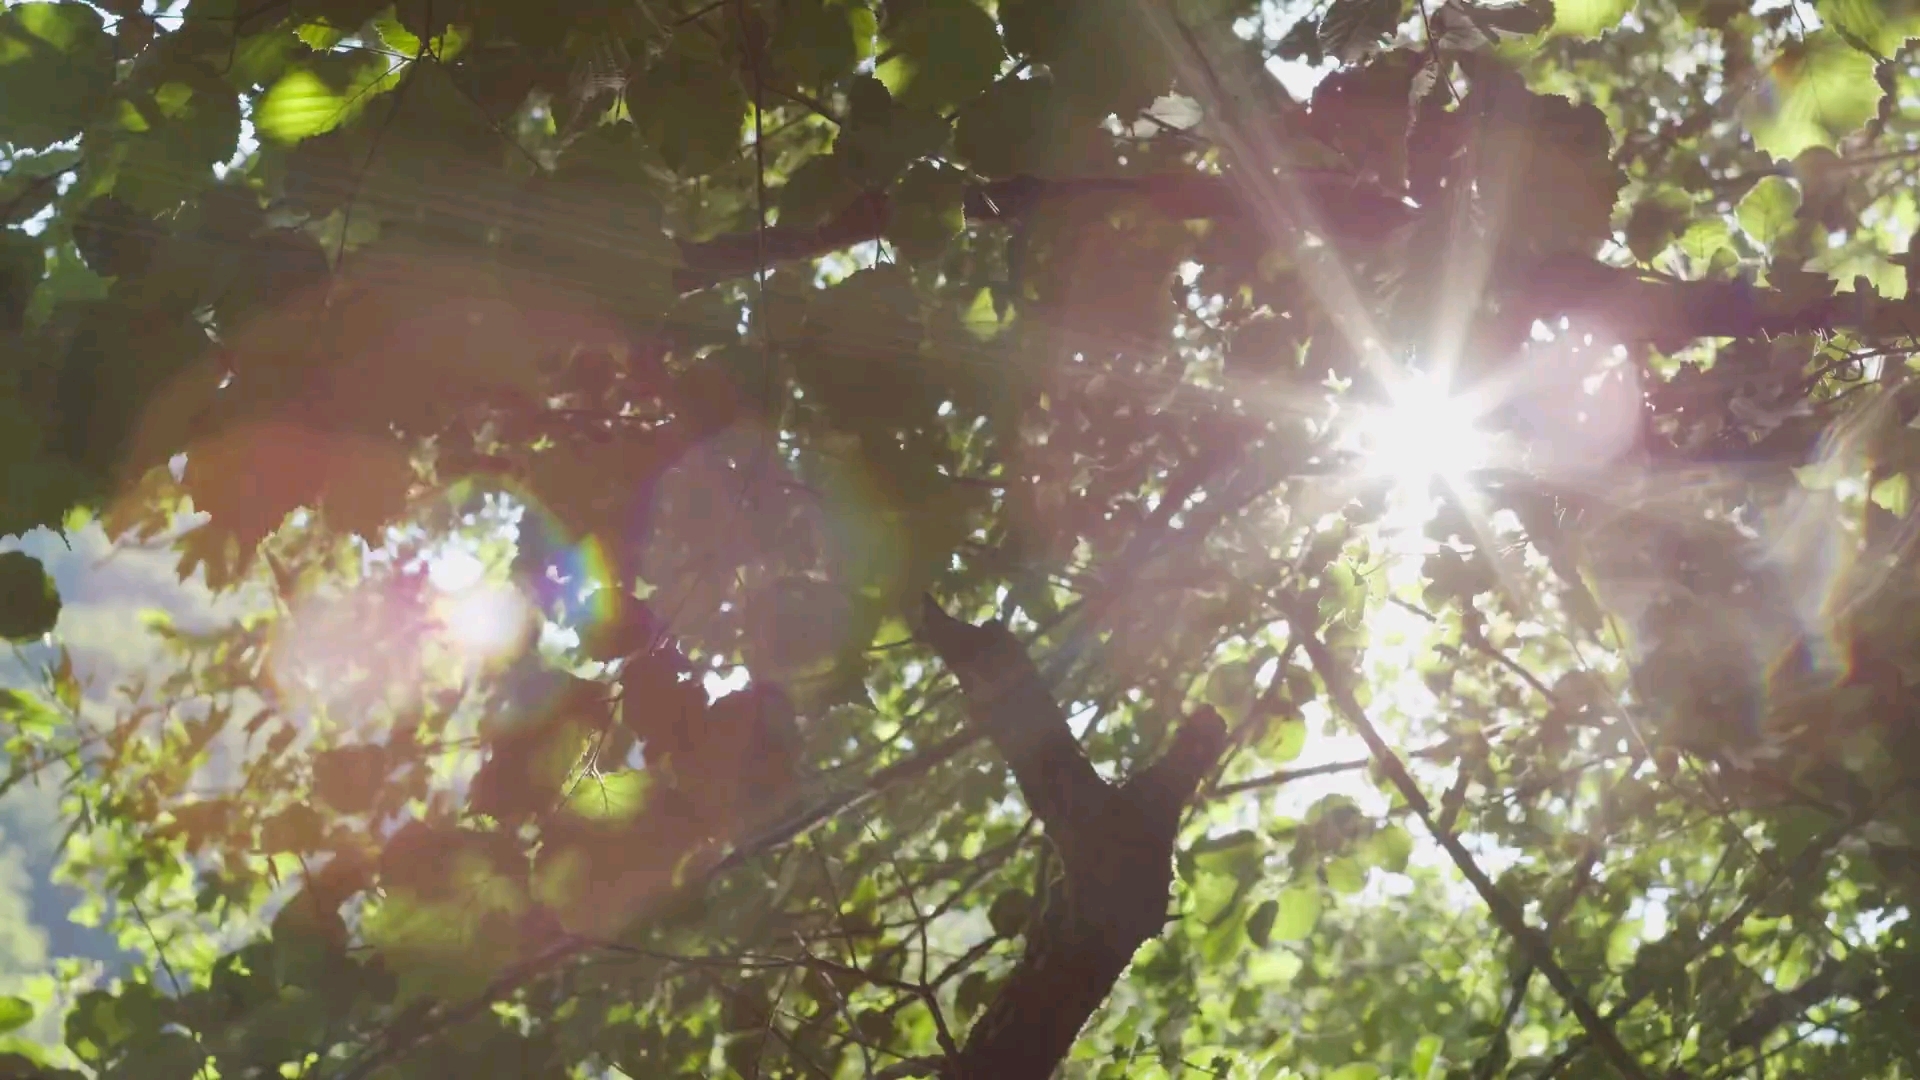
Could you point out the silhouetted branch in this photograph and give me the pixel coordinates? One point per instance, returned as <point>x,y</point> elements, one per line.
<point>1625,300</point>
<point>1115,844</point>
<point>1355,214</point>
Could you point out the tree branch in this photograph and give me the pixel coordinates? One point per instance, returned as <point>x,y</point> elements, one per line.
<point>1512,921</point>
<point>1115,843</point>
<point>1354,214</point>
<point>1011,704</point>
<point>1627,301</point>
<point>1806,862</point>
<point>1834,979</point>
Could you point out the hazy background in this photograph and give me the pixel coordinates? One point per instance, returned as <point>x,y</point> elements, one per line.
<point>104,591</point>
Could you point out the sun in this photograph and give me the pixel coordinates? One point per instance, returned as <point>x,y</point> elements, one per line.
<point>481,619</point>
<point>1425,433</point>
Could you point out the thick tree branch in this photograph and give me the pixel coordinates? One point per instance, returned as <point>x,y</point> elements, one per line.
<point>1354,214</point>
<point>1628,302</point>
<point>1115,842</point>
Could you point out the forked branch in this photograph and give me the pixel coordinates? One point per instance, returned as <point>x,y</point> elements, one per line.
<point>1115,842</point>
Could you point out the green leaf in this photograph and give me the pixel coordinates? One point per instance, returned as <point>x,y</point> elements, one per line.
<point>15,1013</point>
<point>1894,494</point>
<point>820,188</point>
<point>1101,64</point>
<point>318,97</point>
<point>1878,25</point>
<point>1554,162</point>
<point>1426,1057</point>
<point>436,949</point>
<point>1230,689</point>
<point>170,1055</point>
<point>1622,943</point>
<point>948,51</point>
<point>1260,923</point>
<point>29,602</point>
<point>1024,127</point>
<point>1822,89</point>
<point>1298,913</point>
<point>1654,223</point>
<point>1284,740</point>
<point>1767,211</point>
<point>56,71</point>
<point>926,211</point>
<point>320,36</point>
<point>1705,239</point>
<point>1345,875</point>
<point>1501,22</point>
<point>28,714</point>
<point>611,797</point>
<point>1009,911</point>
<point>1353,30</point>
<point>974,992</point>
<point>1359,1070</point>
<point>199,127</point>
<point>882,135</point>
<point>1390,848</point>
<point>815,41</point>
<point>1588,18</point>
<point>690,106</point>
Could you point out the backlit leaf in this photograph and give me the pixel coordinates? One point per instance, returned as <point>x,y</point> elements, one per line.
<point>15,1013</point>
<point>1818,91</point>
<point>1768,209</point>
<point>1893,494</point>
<point>1588,18</point>
<point>1298,914</point>
<point>317,98</point>
<point>610,797</point>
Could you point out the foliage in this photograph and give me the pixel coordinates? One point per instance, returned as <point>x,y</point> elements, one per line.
<point>591,393</point>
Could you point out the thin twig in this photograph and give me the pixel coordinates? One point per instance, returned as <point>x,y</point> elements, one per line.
<point>1506,913</point>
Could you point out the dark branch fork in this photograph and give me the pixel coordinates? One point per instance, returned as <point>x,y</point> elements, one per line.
<point>1115,843</point>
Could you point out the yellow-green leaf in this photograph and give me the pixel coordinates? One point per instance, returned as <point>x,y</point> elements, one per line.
<point>1880,26</point>
<point>1299,913</point>
<point>1230,689</point>
<point>1768,209</point>
<point>299,106</point>
<point>15,1013</point>
<point>613,797</point>
<point>1894,494</point>
<point>1817,92</point>
<point>305,103</point>
<point>1588,18</point>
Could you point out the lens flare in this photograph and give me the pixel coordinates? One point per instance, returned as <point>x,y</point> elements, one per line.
<point>484,622</point>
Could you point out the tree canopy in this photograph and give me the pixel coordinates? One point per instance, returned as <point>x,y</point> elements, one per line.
<point>884,538</point>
